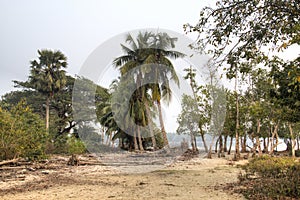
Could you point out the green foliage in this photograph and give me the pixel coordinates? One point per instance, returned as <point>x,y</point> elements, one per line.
<point>75,146</point>
<point>237,31</point>
<point>271,178</point>
<point>22,133</point>
<point>46,74</point>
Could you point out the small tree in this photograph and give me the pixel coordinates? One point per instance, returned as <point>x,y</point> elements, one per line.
<point>188,119</point>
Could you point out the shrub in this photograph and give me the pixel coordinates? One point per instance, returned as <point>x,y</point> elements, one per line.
<point>75,146</point>
<point>22,133</point>
<point>271,178</point>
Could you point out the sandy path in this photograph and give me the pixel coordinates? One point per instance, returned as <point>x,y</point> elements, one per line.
<point>194,179</point>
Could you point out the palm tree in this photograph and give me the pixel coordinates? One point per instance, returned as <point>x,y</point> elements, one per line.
<point>151,49</point>
<point>163,71</point>
<point>134,56</point>
<point>47,76</point>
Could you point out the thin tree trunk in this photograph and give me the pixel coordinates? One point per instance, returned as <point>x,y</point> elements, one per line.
<point>258,145</point>
<point>292,139</point>
<point>237,125</point>
<point>225,143</point>
<point>192,141</point>
<point>203,139</point>
<point>265,146</point>
<point>140,139</point>
<point>162,126</point>
<point>47,114</point>
<point>230,145</point>
<point>136,148</point>
<point>274,133</point>
<point>243,143</point>
<point>216,145</point>
<point>257,138</point>
<point>221,152</point>
<point>195,141</point>
<point>298,143</point>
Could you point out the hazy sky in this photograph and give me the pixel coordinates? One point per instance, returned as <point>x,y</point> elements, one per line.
<point>77,27</point>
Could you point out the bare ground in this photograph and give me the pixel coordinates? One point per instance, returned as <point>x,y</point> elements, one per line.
<point>197,178</point>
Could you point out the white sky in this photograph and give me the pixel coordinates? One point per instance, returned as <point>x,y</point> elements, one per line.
<point>77,27</point>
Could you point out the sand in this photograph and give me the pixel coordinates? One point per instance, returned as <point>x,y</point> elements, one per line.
<point>197,178</point>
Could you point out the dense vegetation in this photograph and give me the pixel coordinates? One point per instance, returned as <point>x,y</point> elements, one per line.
<point>270,178</point>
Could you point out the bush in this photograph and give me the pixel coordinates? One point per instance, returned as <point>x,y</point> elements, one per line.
<point>271,178</point>
<point>75,146</point>
<point>22,133</point>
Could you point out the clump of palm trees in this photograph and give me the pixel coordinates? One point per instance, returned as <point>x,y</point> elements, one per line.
<point>145,74</point>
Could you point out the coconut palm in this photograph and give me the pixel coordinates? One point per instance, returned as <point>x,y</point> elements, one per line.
<point>163,70</point>
<point>150,49</point>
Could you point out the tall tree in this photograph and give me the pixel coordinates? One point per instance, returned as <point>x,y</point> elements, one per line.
<point>47,76</point>
<point>150,49</point>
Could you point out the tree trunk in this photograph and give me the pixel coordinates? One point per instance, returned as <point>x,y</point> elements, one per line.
<point>253,150</point>
<point>237,125</point>
<point>140,139</point>
<point>258,145</point>
<point>221,152</point>
<point>230,145</point>
<point>292,139</point>
<point>209,153</point>
<point>257,138</point>
<point>203,139</point>
<point>243,143</point>
<point>192,141</point>
<point>162,126</point>
<point>274,133</point>
<point>195,140</point>
<point>136,148</point>
<point>150,126</point>
<point>47,114</point>
<point>225,143</point>
<point>216,145</point>
<point>265,146</point>
<point>298,148</point>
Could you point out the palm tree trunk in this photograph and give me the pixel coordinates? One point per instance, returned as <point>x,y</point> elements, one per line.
<point>47,114</point>
<point>162,126</point>
<point>150,126</point>
<point>136,148</point>
<point>140,139</point>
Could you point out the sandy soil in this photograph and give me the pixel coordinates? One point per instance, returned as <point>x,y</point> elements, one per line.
<point>197,178</point>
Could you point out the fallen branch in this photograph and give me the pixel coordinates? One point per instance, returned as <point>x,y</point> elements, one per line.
<point>6,162</point>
